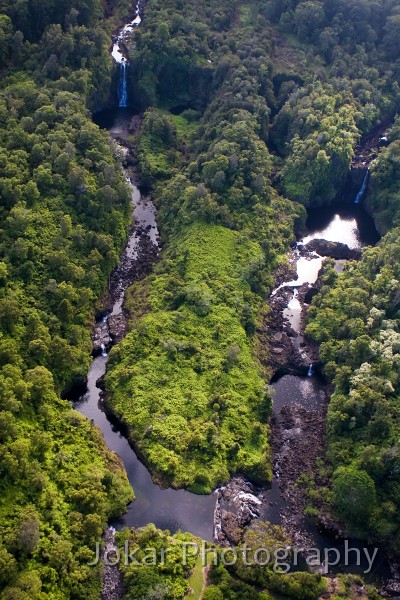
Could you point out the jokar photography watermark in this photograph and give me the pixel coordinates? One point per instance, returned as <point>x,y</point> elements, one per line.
<point>282,560</point>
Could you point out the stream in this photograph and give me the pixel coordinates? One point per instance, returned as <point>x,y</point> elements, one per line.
<point>300,401</point>
<point>296,397</point>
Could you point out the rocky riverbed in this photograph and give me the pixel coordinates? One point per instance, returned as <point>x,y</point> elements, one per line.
<point>283,329</point>
<point>111,575</point>
<point>297,441</point>
<point>298,428</point>
<point>136,261</point>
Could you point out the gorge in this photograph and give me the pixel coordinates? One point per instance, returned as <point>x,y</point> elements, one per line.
<point>299,399</point>
<point>199,299</point>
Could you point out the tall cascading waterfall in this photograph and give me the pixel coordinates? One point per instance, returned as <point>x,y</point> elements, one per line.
<point>123,85</point>
<point>363,187</point>
<point>119,55</point>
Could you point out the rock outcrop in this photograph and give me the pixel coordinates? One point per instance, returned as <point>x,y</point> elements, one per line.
<point>335,250</point>
<point>238,503</point>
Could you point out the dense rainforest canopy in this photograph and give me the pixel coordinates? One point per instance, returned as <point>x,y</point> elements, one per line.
<point>64,215</point>
<point>277,93</point>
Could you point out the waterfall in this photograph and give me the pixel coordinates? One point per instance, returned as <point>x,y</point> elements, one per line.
<point>362,188</point>
<point>122,85</point>
<point>310,371</point>
<point>103,350</point>
<point>119,54</point>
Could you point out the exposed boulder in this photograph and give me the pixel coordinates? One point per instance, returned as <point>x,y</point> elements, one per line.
<point>101,336</point>
<point>238,503</point>
<point>335,250</point>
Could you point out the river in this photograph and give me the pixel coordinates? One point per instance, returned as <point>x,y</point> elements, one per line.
<point>300,401</point>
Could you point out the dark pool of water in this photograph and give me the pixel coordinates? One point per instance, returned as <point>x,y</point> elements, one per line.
<point>116,120</point>
<point>308,392</point>
<point>346,223</point>
<point>166,508</point>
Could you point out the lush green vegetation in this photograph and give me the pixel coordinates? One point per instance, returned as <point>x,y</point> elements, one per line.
<point>162,141</point>
<point>184,379</point>
<point>247,579</point>
<point>317,129</point>
<point>64,214</point>
<point>159,565</point>
<point>355,82</point>
<point>384,195</point>
<point>305,78</point>
<point>355,318</point>
<point>162,563</point>
<point>170,567</point>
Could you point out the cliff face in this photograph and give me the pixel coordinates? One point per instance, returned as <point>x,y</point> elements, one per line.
<point>365,152</point>
<point>354,182</point>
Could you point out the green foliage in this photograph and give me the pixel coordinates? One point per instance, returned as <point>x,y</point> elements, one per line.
<point>356,321</point>
<point>213,593</point>
<point>354,494</point>
<point>300,586</point>
<point>64,213</point>
<point>33,18</point>
<point>63,224</point>
<point>157,146</point>
<point>188,365</point>
<point>161,571</point>
<point>246,578</point>
<point>185,380</point>
<point>6,36</point>
<point>341,29</point>
<point>169,63</point>
<point>384,195</point>
<point>319,132</point>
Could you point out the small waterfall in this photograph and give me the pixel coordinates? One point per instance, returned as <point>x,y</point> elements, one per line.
<point>123,85</point>
<point>103,350</point>
<point>362,188</point>
<point>119,54</point>
<point>310,371</point>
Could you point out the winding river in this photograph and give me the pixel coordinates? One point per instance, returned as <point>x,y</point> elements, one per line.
<point>166,508</point>
<point>179,509</point>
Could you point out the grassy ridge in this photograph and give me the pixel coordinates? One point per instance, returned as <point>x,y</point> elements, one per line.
<point>184,379</point>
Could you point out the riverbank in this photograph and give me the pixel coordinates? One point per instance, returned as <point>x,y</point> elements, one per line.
<point>136,261</point>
